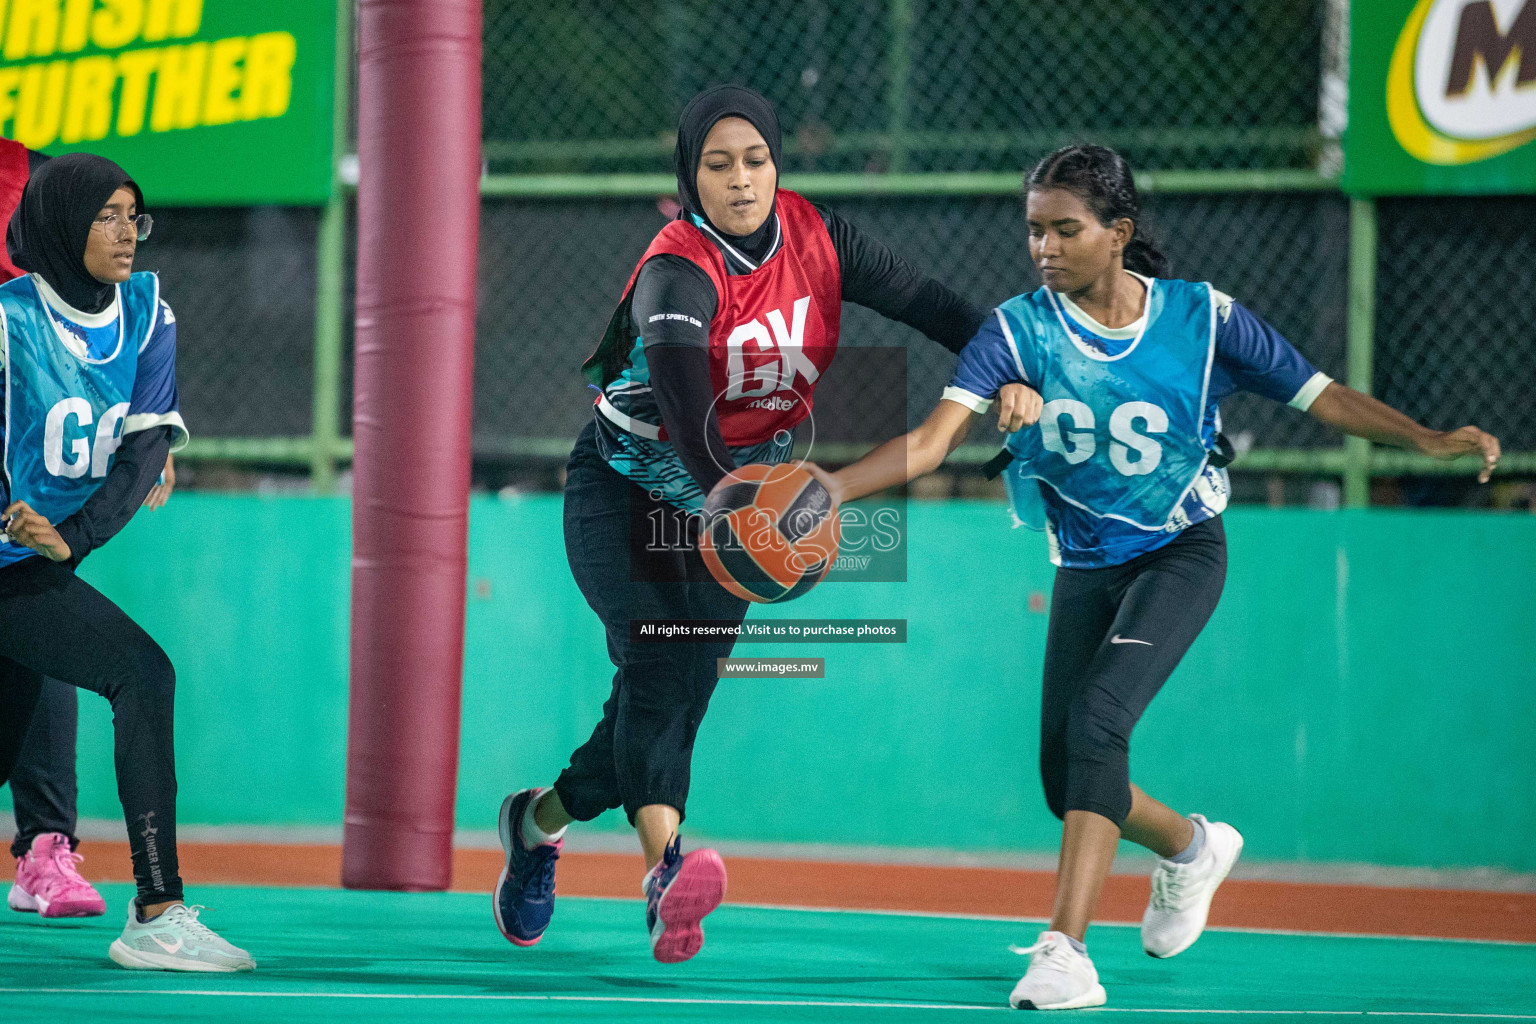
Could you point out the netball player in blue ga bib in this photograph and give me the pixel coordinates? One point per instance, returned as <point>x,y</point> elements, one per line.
<point>89,377</point>
<point>1115,373</point>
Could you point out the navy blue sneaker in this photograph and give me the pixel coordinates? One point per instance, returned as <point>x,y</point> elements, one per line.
<point>679,892</point>
<point>525,893</point>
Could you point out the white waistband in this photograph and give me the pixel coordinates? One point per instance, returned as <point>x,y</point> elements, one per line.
<point>640,428</point>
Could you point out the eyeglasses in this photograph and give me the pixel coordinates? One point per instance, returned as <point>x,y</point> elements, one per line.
<point>113,225</point>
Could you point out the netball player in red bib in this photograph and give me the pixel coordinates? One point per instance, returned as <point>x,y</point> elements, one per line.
<point>712,357</point>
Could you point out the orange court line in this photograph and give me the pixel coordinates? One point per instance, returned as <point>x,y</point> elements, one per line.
<point>993,892</point>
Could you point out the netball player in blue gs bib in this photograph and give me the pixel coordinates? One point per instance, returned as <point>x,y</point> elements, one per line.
<point>1122,370</point>
<point>89,376</point>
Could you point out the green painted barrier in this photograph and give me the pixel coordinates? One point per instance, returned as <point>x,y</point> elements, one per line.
<point>1364,693</point>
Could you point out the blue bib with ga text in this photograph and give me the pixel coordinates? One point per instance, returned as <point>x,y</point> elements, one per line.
<point>65,409</point>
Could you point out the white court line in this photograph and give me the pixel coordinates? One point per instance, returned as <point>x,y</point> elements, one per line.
<point>675,1001</point>
<point>945,915</point>
<point>508,998</point>
<point>1327,1013</point>
<point>942,915</point>
<point>1131,861</point>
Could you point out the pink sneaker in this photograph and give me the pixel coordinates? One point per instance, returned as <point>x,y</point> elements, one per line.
<point>48,883</point>
<point>679,892</point>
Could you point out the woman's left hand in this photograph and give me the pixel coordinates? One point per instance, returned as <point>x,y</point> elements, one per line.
<point>1018,405</point>
<point>30,529</point>
<point>161,492</point>
<point>1449,444</point>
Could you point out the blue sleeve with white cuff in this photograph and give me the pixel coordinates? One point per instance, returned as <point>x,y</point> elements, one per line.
<point>1253,356</point>
<point>987,362</point>
<point>154,384</point>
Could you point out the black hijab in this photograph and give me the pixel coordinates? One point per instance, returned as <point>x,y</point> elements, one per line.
<point>49,229</point>
<point>699,116</point>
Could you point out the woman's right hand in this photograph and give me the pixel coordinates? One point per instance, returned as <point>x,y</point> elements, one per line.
<point>29,528</point>
<point>1450,444</point>
<point>829,481</point>
<point>1018,405</point>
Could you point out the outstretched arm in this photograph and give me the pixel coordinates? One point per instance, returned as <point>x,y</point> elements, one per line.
<point>1363,416</point>
<point>875,277</point>
<point>901,458</point>
<point>1255,357</point>
<point>137,464</point>
<point>108,509</point>
<point>923,450</point>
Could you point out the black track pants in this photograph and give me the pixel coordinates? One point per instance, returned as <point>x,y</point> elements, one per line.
<point>43,787</point>
<point>55,624</point>
<point>628,557</point>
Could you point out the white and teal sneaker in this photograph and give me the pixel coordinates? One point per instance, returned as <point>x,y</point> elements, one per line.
<point>175,941</point>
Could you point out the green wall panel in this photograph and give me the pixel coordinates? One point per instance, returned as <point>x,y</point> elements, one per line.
<point>248,596</point>
<point>1364,693</point>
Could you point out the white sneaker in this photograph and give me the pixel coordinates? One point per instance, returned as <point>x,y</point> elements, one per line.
<point>1059,977</point>
<point>1181,893</point>
<point>175,941</point>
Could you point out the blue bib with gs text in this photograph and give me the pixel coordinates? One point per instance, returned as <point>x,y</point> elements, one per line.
<point>1119,435</point>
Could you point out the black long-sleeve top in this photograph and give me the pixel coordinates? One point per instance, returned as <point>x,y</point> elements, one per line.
<point>136,466</point>
<point>677,347</point>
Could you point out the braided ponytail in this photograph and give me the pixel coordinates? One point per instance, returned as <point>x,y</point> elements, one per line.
<point>1145,258</point>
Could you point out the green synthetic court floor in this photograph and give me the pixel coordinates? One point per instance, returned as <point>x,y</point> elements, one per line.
<point>330,955</point>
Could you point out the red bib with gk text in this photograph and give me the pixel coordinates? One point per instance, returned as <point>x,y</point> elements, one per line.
<point>774,332</point>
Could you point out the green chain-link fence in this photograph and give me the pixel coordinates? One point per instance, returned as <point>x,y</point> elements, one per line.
<point>242,285</point>
<point>1456,320</point>
<point>870,86</point>
<point>541,308</point>
<point>914,120</point>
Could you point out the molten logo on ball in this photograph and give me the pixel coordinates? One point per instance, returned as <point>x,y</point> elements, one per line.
<point>770,532</point>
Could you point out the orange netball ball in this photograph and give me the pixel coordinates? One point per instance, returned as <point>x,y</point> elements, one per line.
<point>770,532</point>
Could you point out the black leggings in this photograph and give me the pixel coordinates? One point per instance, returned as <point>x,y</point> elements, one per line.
<point>628,556</point>
<point>57,625</point>
<point>1115,636</point>
<point>43,787</point>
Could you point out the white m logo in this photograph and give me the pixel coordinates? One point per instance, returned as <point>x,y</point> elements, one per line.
<point>775,374</point>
